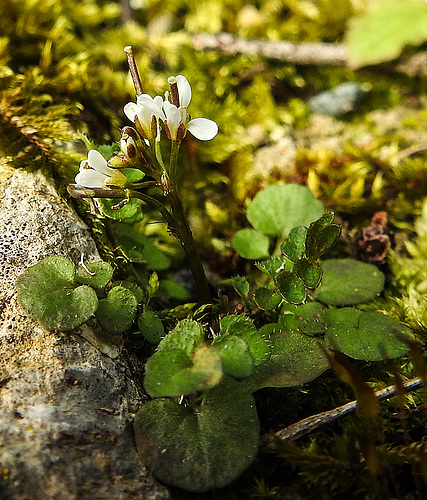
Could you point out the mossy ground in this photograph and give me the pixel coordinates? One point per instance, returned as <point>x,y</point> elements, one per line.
<point>63,79</point>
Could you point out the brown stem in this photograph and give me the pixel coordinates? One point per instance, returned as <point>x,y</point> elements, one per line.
<point>133,70</point>
<point>312,423</point>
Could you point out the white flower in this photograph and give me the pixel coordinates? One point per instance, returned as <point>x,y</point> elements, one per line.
<point>145,113</point>
<point>177,120</point>
<point>95,172</point>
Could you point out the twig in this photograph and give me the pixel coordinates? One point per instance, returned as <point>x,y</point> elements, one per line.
<point>312,423</point>
<point>133,70</point>
<point>300,53</point>
<point>318,54</point>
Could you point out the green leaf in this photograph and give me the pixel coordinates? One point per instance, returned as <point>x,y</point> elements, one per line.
<point>172,290</point>
<point>198,448</point>
<point>273,266</point>
<point>320,240</point>
<point>307,318</point>
<point>291,287</point>
<point>129,213</point>
<point>278,208</point>
<point>99,275</point>
<point>116,312</point>
<point>133,174</point>
<point>348,281</point>
<point>241,286</point>
<point>151,327</point>
<point>266,298</point>
<point>295,246</point>
<point>295,359</point>
<point>137,247</point>
<point>187,335</point>
<point>370,336</point>
<point>251,244</point>
<point>243,327</point>
<point>236,357</point>
<point>309,272</point>
<point>234,324</point>
<point>384,29</point>
<point>173,373</point>
<point>132,286</point>
<point>46,291</point>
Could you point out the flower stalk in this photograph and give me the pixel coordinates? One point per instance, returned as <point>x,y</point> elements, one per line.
<point>140,149</point>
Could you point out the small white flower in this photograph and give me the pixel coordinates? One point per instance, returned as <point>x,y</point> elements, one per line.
<point>95,173</point>
<point>178,121</point>
<point>146,113</point>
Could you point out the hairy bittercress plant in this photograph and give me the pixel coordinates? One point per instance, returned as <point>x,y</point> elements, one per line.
<point>204,430</point>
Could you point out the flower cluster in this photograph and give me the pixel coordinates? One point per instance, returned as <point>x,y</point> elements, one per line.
<point>149,115</point>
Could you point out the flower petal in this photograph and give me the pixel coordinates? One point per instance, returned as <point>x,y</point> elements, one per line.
<point>90,178</point>
<point>150,107</point>
<point>130,111</point>
<point>184,91</point>
<point>203,129</point>
<point>173,116</point>
<point>98,162</point>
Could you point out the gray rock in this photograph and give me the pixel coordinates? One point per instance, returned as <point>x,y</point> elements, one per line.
<point>66,399</point>
<point>338,101</point>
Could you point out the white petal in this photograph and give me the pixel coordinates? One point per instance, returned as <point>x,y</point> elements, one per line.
<point>203,129</point>
<point>90,178</point>
<point>143,96</point>
<point>151,107</point>
<point>130,111</point>
<point>98,162</point>
<point>172,113</point>
<point>159,101</point>
<point>184,91</point>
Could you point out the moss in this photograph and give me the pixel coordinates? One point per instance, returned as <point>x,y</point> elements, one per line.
<point>63,76</point>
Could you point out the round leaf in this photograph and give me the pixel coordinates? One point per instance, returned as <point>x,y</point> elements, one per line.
<point>291,287</point>
<point>295,359</point>
<point>187,335</point>
<point>130,213</point>
<point>173,373</point>
<point>277,209</point>
<point>295,246</point>
<point>236,358</point>
<point>309,272</point>
<point>348,281</point>
<point>116,313</point>
<point>151,327</point>
<point>139,248</point>
<point>199,448</point>
<point>243,327</point>
<point>251,244</point>
<point>241,286</point>
<point>267,299</point>
<point>100,273</point>
<point>371,336</point>
<point>47,293</point>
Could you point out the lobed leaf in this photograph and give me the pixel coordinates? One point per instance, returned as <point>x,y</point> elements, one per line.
<point>47,292</point>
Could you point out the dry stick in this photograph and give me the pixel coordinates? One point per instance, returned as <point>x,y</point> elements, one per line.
<point>294,431</point>
<point>300,53</point>
<point>133,70</point>
<point>317,54</point>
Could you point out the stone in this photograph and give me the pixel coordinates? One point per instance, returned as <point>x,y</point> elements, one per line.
<point>67,400</point>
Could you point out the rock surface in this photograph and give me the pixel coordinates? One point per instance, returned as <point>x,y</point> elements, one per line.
<point>66,399</point>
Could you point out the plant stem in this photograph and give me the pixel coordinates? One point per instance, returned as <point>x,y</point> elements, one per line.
<point>183,229</point>
<point>313,422</point>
